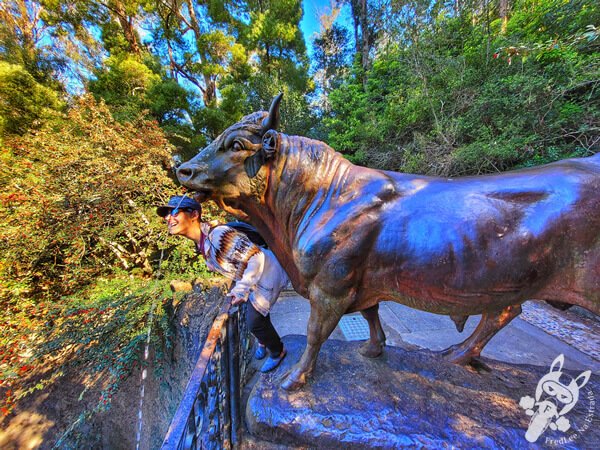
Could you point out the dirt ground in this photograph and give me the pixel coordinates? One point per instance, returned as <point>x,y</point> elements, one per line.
<point>40,420</point>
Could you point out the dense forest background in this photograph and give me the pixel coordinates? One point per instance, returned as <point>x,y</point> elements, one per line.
<point>99,97</point>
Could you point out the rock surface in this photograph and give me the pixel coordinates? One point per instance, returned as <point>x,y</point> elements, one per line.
<point>409,399</point>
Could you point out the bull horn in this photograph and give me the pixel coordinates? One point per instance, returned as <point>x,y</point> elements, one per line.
<point>271,122</point>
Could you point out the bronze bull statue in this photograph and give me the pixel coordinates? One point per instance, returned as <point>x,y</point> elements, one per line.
<point>351,236</point>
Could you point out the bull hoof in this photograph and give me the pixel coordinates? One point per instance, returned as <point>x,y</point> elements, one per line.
<point>370,350</point>
<point>466,359</point>
<point>294,381</point>
<point>458,356</point>
<point>479,366</point>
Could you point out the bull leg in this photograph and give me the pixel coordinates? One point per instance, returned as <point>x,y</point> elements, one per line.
<point>374,346</point>
<point>490,324</point>
<point>321,323</point>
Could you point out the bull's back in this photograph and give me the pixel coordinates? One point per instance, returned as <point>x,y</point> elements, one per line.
<point>451,244</point>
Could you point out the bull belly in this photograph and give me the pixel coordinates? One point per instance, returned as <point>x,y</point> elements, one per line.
<point>443,299</point>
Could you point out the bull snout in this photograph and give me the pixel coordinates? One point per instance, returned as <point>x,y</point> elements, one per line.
<point>195,176</point>
<point>186,173</point>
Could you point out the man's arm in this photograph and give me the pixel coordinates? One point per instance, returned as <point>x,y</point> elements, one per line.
<point>250,277</point>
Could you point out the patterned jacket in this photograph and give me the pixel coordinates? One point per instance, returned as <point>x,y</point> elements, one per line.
<point>258,275</point>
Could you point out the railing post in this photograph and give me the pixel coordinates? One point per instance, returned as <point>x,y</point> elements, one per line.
<point>226,437</point>
<point>209,415</point>
<point>234,374</point>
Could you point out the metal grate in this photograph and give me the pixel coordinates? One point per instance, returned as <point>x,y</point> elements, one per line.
<point>354,328</point>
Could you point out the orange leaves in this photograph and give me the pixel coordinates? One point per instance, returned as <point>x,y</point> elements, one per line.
<point>65,198</point>
<point>80,312</point>
<point>25,368</point>
<point>508,53</point>
<point>7,402</point>
<point>15,197</point>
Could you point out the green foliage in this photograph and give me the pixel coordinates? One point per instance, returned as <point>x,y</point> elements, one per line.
<point>130,84</point>
<point>296,117</point>
<point>125,76</point>
<point>102,329</point>
<point>98,334</point>
<point>457,96</point>
<point>278,64</point>
<point>77,200</point>
<point>24,103</point>
<point>84,260</point>
<point>274,31</point>
<point>54,40</point>
<point>331,53</point>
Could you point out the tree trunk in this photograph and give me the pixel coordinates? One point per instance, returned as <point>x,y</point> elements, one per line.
<point>268,58</point>
<point>367,41</point>
<point>504,8</point>
<point>356,21</point>
<point>209,94</point>
<point>366,35</point>
<point>126,23</point>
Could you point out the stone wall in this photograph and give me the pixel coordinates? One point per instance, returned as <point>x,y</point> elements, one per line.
<point>164,385</point>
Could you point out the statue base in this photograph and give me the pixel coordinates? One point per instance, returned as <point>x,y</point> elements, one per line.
<point>411,399</point>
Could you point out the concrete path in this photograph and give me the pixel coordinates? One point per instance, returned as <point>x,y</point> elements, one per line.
<point>536,337</point>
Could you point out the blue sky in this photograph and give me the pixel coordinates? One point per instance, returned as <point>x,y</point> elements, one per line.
<point>310,21</point>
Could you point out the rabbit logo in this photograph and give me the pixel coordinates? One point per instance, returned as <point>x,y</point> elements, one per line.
<point>556,394</point>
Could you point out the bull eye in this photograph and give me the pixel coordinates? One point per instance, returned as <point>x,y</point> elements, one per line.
<point>237,146</point>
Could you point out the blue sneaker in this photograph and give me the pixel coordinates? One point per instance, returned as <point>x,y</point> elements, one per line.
<point>271,363</point>
<point>260,352</point>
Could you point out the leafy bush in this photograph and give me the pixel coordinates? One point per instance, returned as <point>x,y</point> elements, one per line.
<point>23,101</point>
<point>457,96</point>
<point>77,200</point>
<point>74,204</point>
<point>80,251</point>
<point>131,84</point>
<point>96,337</point>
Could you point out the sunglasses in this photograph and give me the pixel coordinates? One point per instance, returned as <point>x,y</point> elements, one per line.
<point>176,211</point>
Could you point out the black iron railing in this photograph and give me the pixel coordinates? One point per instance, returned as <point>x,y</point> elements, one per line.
<point>208,416</point>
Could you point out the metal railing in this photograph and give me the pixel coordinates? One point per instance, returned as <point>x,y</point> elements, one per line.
<point>209,414</point>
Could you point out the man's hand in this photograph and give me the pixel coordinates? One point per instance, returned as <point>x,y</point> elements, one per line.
<point>235,299</point>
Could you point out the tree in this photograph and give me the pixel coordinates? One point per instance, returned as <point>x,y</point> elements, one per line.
<point>274,33</point>
<point>29,38</point>
<point>20,33</point>
<point>24,102</point>
<point>449,96</point>
<point>367,20</point>
<point>76,201</point>
<point>504,7</point>
<point>331,55</point>
<point>280,64</point>
<point>195,39</point>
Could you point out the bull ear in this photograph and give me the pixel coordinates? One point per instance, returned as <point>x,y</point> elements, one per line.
<point>271,122</point>
<point>270,146</point>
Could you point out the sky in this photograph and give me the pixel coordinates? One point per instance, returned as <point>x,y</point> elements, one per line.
<point>310,21</point>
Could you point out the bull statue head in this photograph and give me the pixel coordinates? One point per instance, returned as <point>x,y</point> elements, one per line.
<point>228,167</point>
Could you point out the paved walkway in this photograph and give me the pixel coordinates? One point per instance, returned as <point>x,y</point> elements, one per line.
<point>536,337</point>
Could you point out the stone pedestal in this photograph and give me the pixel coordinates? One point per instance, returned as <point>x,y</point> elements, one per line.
<point>408,399</point>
